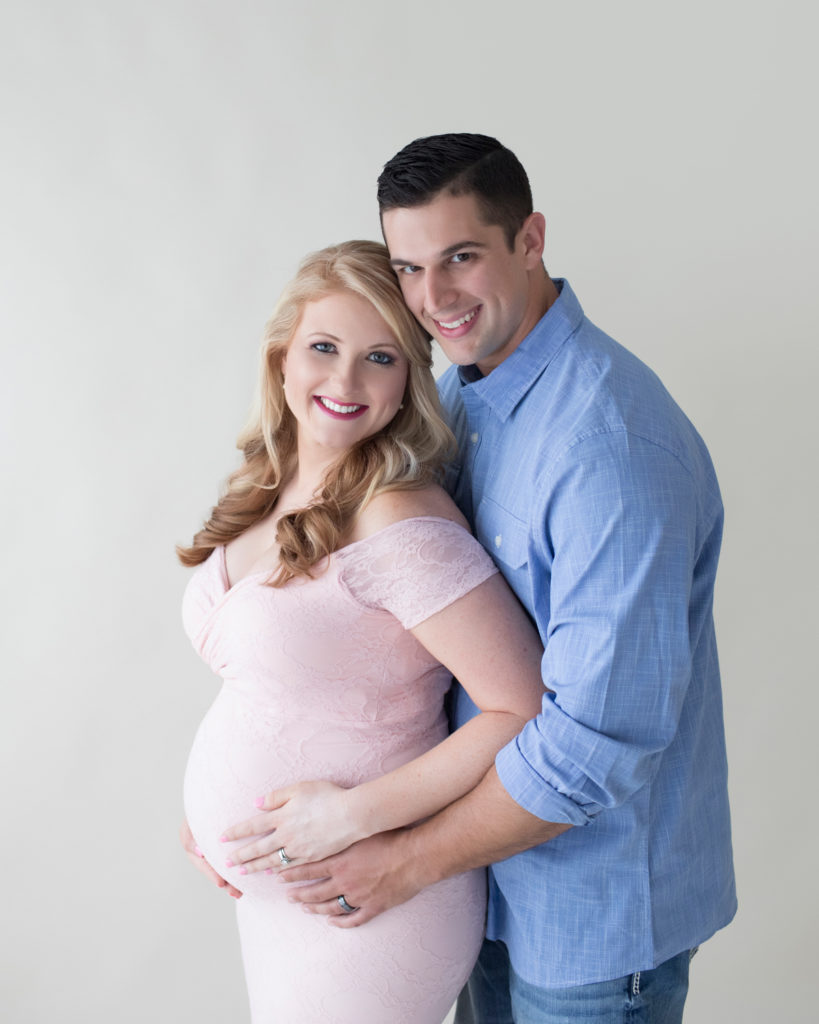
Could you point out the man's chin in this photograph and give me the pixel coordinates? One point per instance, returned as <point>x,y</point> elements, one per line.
<point>458,353</point>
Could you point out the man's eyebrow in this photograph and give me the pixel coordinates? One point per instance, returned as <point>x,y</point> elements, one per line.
<point>458,246</point>
<point>445,253</point>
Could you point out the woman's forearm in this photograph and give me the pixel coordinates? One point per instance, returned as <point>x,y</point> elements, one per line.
<point>435,779</point>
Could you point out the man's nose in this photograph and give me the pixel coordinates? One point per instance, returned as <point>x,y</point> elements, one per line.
<point>439,292</point>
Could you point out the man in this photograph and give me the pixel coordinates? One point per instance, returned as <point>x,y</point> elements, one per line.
<point>606,820</point>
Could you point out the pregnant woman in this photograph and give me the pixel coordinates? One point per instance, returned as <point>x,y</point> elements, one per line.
<point>337,592</point>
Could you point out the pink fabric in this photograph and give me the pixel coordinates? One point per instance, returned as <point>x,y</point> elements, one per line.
<point>322,680</point>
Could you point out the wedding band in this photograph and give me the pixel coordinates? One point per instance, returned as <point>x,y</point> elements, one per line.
<point>283,857</point>
<point>345,906</point>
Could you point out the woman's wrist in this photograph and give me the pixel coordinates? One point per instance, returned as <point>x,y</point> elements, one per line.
<point>361,811</point>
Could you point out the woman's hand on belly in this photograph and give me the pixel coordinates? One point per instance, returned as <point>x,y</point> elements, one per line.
<point>199,862</point>
<point>309,821</point>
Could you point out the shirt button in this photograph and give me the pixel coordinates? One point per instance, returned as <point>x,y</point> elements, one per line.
<point>498,541</point>
<point>473,438</point>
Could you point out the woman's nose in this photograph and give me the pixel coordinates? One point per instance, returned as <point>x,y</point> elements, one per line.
<point>345,376</point>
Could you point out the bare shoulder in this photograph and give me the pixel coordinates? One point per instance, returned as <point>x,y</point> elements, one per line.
<point>393,506</point>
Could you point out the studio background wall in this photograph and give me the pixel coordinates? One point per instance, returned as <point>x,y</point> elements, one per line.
<point>165,165</point>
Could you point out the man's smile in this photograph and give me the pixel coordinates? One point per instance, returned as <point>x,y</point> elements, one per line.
<point>456,325</point>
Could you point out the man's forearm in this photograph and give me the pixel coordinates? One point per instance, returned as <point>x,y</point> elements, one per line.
<point>482,827</point>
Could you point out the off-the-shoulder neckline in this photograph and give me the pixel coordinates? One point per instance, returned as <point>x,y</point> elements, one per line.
<point>228,586</point>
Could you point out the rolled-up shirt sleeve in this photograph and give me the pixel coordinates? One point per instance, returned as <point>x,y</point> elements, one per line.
<point>612,562</point>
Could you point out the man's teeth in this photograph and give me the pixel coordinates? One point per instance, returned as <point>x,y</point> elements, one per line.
<point>457,323</point>
<point>335,407</point>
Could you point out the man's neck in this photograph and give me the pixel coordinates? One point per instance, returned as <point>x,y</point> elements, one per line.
<point>549,293</point>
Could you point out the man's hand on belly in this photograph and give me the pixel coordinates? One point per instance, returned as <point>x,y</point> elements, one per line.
<point>372,876</point>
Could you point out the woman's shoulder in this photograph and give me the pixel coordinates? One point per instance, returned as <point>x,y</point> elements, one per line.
<point>390,507</point>
<point>412,555</point>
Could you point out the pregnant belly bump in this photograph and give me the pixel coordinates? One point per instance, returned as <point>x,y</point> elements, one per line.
<point>241,751</point>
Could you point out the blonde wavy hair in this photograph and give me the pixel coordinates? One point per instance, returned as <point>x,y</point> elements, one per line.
<point>407,453</point>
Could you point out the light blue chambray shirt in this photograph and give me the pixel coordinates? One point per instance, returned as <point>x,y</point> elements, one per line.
<point>598,501</point>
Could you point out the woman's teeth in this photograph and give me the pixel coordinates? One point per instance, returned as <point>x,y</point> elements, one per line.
<point>335,407</point>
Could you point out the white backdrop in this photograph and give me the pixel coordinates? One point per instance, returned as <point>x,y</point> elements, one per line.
<point>164,167</point>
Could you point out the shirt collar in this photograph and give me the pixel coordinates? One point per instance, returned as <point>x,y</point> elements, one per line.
<point>509,382</point>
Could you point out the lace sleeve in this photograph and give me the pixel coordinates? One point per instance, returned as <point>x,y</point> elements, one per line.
<point>205,587</point>
<point>414,568</point>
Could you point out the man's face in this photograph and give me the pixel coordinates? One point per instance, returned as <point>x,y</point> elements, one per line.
<point>477,298</point>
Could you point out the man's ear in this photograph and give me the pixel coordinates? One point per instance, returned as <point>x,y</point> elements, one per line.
<point>532,239</point>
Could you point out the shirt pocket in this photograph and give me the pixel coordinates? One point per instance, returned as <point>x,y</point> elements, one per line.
<point>504,536</point>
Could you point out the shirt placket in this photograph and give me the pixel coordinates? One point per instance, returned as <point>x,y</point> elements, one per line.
<point>474,477</point>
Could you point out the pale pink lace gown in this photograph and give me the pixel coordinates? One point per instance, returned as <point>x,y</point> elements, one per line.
<point>322,680</point>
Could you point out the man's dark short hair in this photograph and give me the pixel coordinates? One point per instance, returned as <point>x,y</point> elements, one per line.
<point>460,164</point>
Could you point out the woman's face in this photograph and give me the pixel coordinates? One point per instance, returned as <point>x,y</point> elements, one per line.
<point>344,373</point>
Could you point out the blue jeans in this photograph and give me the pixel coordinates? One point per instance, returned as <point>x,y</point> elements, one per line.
<point>494,994</point>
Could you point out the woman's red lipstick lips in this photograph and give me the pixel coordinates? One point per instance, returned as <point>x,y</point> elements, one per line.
<point>340,410</point>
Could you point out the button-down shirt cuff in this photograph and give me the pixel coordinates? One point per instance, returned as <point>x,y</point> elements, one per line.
<point>533,792</point>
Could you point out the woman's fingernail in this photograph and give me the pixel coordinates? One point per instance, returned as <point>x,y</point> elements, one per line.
<point>229,863</point>
<point>260,802</point>
<point>242,871</point>
<point>236,895</point>
<point>223,839</point>
<point>198,852</point>
<point>268,871</point>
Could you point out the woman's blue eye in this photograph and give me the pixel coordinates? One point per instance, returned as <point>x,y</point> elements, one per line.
<point>324,346</point>
<point>382,358</point>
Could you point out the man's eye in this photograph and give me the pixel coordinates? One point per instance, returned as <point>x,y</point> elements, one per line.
<point>408,269</point>
<point>462,257</point>
<point>382,358</point>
